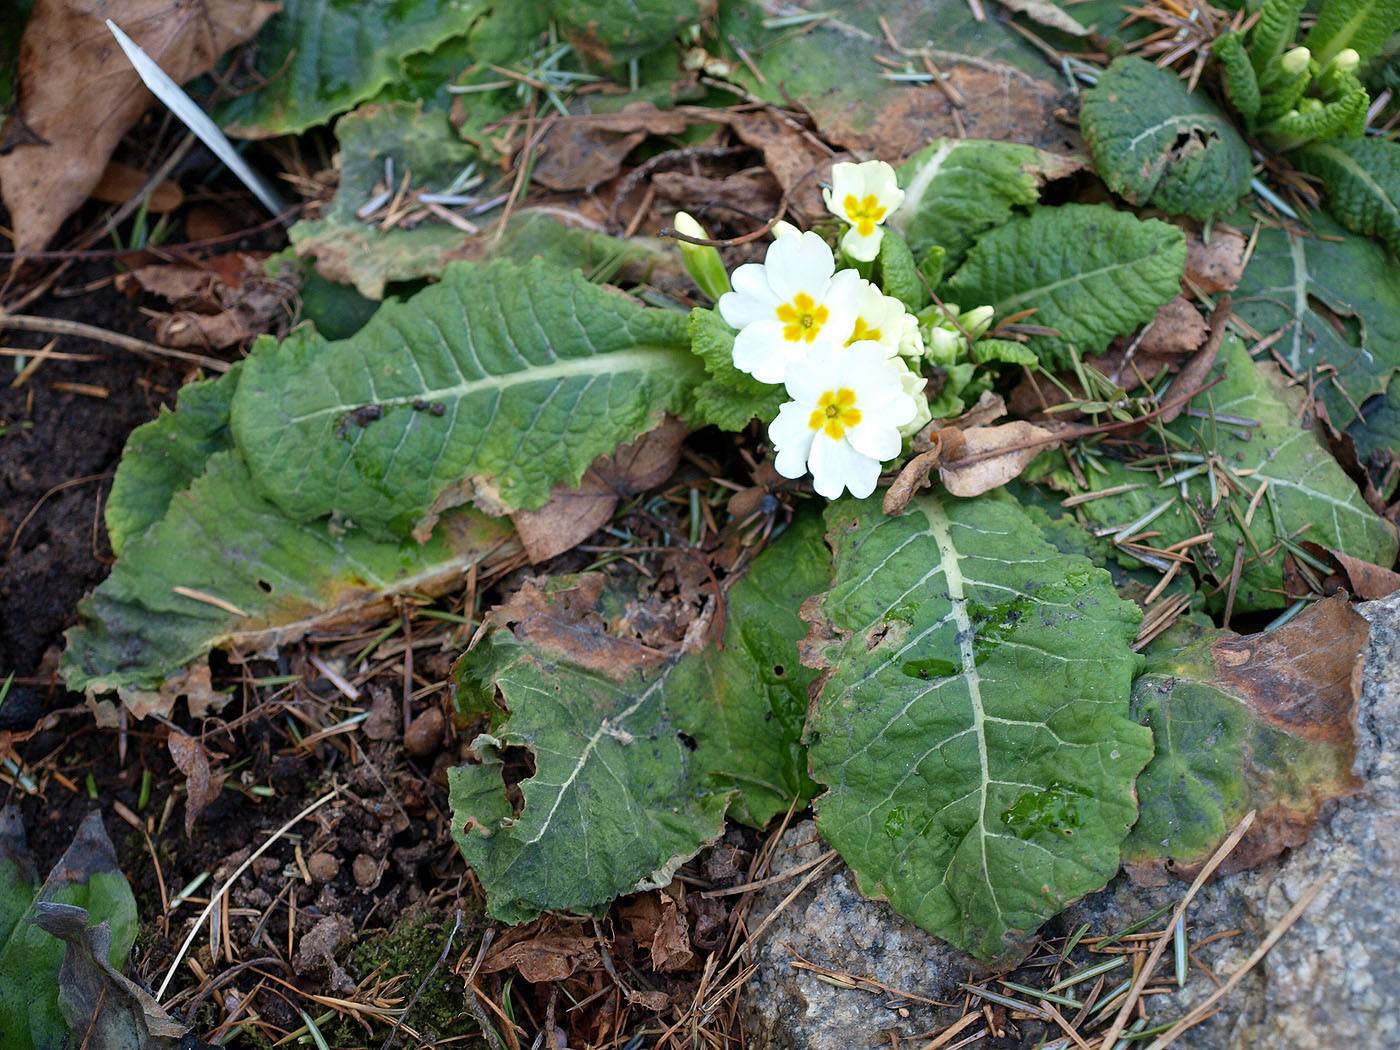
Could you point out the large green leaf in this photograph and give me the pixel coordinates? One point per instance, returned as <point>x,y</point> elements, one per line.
<point>972,725</point>
<point>275,578</point>
<point>497,383</point>
<point>1090,272</point>
<point>1154,142</point>
<point>1338,298</point>
<point>955,189</point>
<point>1308,496</point>
<point>351,250</point>
<point>87,876</point>
<point>164,456</point>
<point>728,399</point>
<point>635,760</point>
<point>1362,179</point>
<point>322,57</point>
<point>1263,722</point>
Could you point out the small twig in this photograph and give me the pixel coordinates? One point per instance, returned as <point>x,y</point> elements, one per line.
<point>58,326</point>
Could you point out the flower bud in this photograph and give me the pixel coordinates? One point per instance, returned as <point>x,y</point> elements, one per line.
<point>702,261</point>
<point>1296,61</point>
<point>1346,61</point>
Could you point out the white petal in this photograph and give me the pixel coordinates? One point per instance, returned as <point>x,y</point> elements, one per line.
<point>792,437</point>
<point>875,437</point>
<point>863,249</point>
<point>783,228</point>
<point>805,382</point>
<point>751,279</point>
<point>739,310</point>
<point>762,352</point>
<point>836,466</point>
<point>799,264</point>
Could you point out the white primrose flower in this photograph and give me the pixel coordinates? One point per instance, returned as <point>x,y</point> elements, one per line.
<point>787,304</point>
<point>844,417</point>
<point>883,319</point>
<point>863,195</point>
<point>913,384</point>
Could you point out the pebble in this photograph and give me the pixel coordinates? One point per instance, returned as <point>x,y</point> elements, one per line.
<point>424,734</point>
<point>322,866</point>
<point>366,870</point>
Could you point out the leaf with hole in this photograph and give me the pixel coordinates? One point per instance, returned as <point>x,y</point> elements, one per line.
<point>972,725</point>
<point>1156,143</point>
<point>633,757</point>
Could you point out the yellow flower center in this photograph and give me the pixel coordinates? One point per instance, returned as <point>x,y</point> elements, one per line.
<point>863,331</point>
<point>803,318</point>
<point>835,412</point>
<point>863,213</point>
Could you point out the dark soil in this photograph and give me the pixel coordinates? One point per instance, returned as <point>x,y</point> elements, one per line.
<point>58,450</point>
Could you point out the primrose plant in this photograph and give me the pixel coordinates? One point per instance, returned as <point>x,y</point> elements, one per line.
<point>848,356</point>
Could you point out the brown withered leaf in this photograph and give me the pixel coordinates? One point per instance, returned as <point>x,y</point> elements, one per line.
<point>120,182</point>
<point>222,301</point>
<point>754,194</point>
<point>1197,367</point>
<point>1047,14</point>
<point>79,94</point>
<point>202,784</point>
<point>566,621</point>
<point>992,456</point>
<point>543,951</point>
<point>913,476</point>
<point>1360,578</point>
<point>658,922</point>
<point>1005,104</point>
<point>581,151</point>
<point>798,163</point>
<point>1219,265</point>
<point>1264,722</point>
<point>571,515</point>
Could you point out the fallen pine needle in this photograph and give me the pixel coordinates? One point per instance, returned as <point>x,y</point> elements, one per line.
<point>1203,1009</point>
<point>1130,1001</point>
<point>209,599</point>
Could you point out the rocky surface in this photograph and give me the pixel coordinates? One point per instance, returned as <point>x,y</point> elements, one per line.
<point>1328,984</point>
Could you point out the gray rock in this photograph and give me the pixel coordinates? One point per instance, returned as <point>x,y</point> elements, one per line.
<point>1330,983</point>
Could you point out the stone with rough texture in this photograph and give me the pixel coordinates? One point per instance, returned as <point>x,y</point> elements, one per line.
<point>1328,984</point>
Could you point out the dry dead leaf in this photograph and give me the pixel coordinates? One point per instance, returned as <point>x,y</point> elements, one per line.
<point>571,515</point>
<point>1363,579</point>
<point>567,622</point>
<point>992,456</point>
<point>1217,266</point>
<point>756,194</point>
<point>1003,103</point>
<point>658,922</point>
<point>120,182</point>
<point>202,784</point>
<point>581,151</point>
<point>222,301</point>
<point>913,476</point>
<point>542,953</point>
<point>78,93</point>
<point>796,160</point>
<point>1047,14</point>
<point>1198,366</point>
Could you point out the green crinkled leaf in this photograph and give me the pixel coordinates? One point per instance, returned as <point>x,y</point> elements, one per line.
<point>1156,142</point>
<point>635,761</point>
<point>609,32</point>
<point>955,189</point>
<point>322,57</point>
<point>1376,434</point>
<point>973,725</point>
<point>1264,722</point>
<point>898,275</point>
<point>729,399</point>
<point>164,456</point>
<point>1306,487</point>
<point>1090,272</point>
<point>1004,350</point>
<point>352,251</point>
<point>218,537</point>
<point>1363,25</point>
<point>1362,179</point>
<point>497,383</point>
<point>1337,296</point>
<point>86,876</point>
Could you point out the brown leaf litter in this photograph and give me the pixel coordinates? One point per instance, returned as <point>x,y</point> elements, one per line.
<point>78,93</point>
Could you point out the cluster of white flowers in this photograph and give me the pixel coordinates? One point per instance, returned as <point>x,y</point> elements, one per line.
<point>840,346</point>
